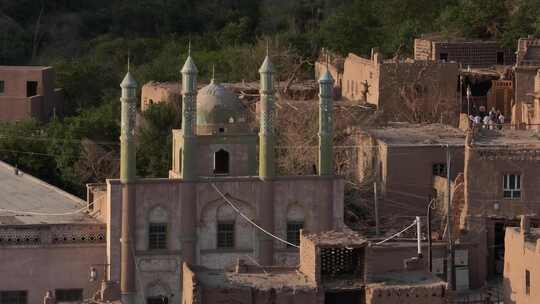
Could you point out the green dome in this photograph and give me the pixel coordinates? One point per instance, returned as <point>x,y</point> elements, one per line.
<point>218,106</point>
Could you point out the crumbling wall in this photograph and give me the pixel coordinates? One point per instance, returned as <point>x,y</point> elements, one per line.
<point>422,50</point>
<point>191,290</point>
<point>309,259</point>
<point>425,294</point>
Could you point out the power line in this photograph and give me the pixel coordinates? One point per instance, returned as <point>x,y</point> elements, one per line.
<point>249,220</point>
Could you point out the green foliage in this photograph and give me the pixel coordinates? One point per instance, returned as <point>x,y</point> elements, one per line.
<point>88,44</point>
<point>155,139</point>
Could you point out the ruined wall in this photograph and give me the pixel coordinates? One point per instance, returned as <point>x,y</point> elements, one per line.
<point>419,91</point>
<point>309,259</point>
<point>191,288</point>
<point>356,71</point>
<point>524,83</point>
<point>520,256</point>
<point>155,92</point>
<point>422,50</point>
<point>425,294</point>
<point>476,54</point>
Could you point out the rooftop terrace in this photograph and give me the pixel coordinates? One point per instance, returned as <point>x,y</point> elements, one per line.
<point>406,134</point>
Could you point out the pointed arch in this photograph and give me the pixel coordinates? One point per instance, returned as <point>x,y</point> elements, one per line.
<point>221,162</point>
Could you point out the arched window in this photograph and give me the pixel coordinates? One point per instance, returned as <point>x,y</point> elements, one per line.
<point>295,223</point>
<point>157,229</point>
<point>226,222</point>
<point>221,162</point>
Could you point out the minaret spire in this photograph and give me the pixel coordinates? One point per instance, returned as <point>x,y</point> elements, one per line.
<point>326,84</point>
<point>266,132</point>
<point>213,73</point>
<point>189,117</point>
<point>128,179</point>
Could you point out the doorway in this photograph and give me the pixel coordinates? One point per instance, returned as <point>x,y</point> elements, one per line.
<point>157,300</point>
<point>500,58</point>
<point>348,296</point>
<point>221,162</point>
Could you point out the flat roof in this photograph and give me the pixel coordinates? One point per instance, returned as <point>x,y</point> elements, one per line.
<point>406,278</point>
<point>508,138</point>
<point>25,193</point>
<point>270,278</point>
<point>346,237</point>
<point>407,134</point>
<point>24,67</point>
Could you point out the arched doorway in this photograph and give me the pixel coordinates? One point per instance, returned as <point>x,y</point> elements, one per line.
<point>221,162</point>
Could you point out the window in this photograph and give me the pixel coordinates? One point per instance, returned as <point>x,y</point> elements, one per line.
<point>13,297</point>
<point>439,169</point>
<point>2,88</point>
<point>225,235</point>
<point>157,236</point>
<point>68,295</point>
<point>500,58</point>
<point>443,57</point>
<point>527,282</point>
<point>221,162</point>
<point>293,232</point>
<point>31,88</point>
<point>512,186</point>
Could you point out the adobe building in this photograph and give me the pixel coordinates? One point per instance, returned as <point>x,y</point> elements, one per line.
<point>521,264</point>
<point>334,63</point>
<point>335,267</point>
<point>198,214</point>
<point>158,92</point>
<point>405,160</point>
<point>404,90</point>
<point>527,64</point>
<point>49,241</point>
<point>500,183</point>
<point>472,53</point>
<point>28,92</point>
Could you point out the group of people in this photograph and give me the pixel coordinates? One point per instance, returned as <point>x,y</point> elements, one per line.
<point>493,118</point>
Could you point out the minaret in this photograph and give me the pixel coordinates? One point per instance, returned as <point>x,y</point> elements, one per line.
<point>266,132</point>
<point>326,84</point>
<point>189,117</point>
<point>188,218</point>
<point>127,179</point>
<point>265,213</point>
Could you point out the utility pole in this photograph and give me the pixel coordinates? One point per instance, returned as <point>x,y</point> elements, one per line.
<point>376,208</point>
<point>450,245</point>
<point>430,256</point>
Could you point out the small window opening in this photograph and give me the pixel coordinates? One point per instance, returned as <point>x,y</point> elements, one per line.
<point>500,58</point>
<point>221,162</point>
<point>439,169</point>
<point>225,235</point>
<point>293,232</point>
<point>157,236</point>
<point>443,57</point>
<point>512,186</point>
<point>31,88</point>
<point>2,87</point>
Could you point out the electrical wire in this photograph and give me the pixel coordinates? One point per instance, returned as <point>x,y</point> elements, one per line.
<point>397,234</point>
<point>249,220</point>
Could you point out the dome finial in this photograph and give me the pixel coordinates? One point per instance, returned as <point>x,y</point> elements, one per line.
<point>189,47</point>
<point>128,61</point>
<point>213,73</point>
<point>267,47</point>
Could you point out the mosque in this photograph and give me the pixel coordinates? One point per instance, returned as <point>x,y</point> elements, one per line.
<point>222,199</point>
